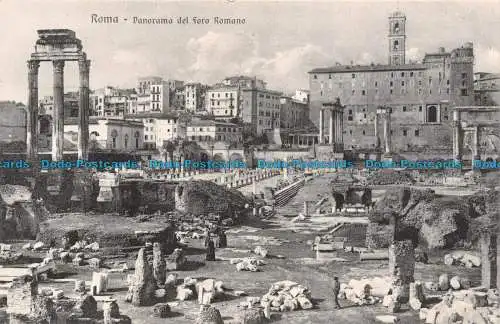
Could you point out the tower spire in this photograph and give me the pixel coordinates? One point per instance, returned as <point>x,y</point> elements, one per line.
<point>397,38</point>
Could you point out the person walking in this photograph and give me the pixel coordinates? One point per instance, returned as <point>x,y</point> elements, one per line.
<point>336,291</point>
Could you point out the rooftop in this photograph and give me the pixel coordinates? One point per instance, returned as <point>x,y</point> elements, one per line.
<point>368,68</point>
<point>157,115</point>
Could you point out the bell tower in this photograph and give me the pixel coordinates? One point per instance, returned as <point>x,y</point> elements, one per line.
<point>397,38</point>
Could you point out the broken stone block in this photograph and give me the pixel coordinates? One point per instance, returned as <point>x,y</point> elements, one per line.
<point>209,315</point>
<point>171,280</point>
<point>95,263</point>
<point>92,247</point>
<point>57,293</point>
<point>465,283</point>
<point>423,313</point>
<point>387,319</point>
<point>144,284</point>
<point>176,260</point>
<point>415,304</point>
<point>474,317</point>
<point>111,311</point>
<point>449,260</point>
<point>239,293</point>
<point>77,261</point>
<point>80,286</point>
<point>87,305</point>
<point>38,246</point>
<point>251,316</point>
<point>267,311</point>
<point>455,283</point>
<point>394,306</point>
<point>159,264</point>
<point>161,310</point>
<point>160,293</point>
<point>27,246</point>
<point>259,250</point>
<point>432,286</point>
<point>444,282</point>
<point>100,282</point>
<point>304,303</point>
<point>183,293</point>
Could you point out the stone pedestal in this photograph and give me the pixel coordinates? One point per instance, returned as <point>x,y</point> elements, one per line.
<point>489,271</point>
<point>81,197</point>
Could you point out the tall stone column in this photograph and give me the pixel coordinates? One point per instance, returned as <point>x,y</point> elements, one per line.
<point>83,127</point>
<point>457,136</point>
<point>32,116</point>
<point>377,138</point>
<point>342,130</point>
<point>475,144</point>
<point>321,125</point>
<point>58,121</point>
<point>387,131</point>
<point>332,127</point>
<point>489,270</point>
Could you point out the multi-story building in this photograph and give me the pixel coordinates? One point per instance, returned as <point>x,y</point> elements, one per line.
<point>421,95</point>
<point>223,101</point>
<point>194,97</point>
<point>487,89</point>
<point>108,133</point>
<point>242,82</point>
<point>178,98</point>
<point>110,101</point>
<point>71,102</point>
<point>213,131</point>
<point>153,95</point>
<point>260,108</point>
<point>12,122</point>
<point>158,127</point>
<point>293,113</point>
<point>301,95</point>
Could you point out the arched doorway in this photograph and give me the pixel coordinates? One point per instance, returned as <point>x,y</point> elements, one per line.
<point>236,157</point>
<point>432,114</point>
<point>218,157</point>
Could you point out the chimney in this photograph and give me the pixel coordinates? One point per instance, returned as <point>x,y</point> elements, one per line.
<point>442,50</point>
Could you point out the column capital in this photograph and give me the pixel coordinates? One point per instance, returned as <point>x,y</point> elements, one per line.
<point>84,64</point>
<point>33,66</point>
<point>58,66</point>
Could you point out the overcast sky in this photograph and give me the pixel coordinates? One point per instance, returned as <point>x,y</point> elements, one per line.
<point>280,41</point>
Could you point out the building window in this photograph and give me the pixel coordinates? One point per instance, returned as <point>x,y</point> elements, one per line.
<point>126,140</point>
<point>350,132</point>
<point>349,118</point>
<point>464,92</point>
<point>146,137</point>
<point>420,108</point>
<point>464,75</point>
<point>353,91</point>
<point>411,74</point>
<point>364,132</point>
<point>405,132</point>
<point>363,92</point>
<point>448,90</point>
<point>391,91</point>
<point>392,132</point>
<point>419,91</point>
<point>417,133</point>
<point>315,76</point>
<point>404,108</point>
<point>432,114</point>
<point>402,83</point>
<point>391,84</point>
<point>376,84</point>
<point>402,74</point>
<point>329,76</point>
<point>353,76</point>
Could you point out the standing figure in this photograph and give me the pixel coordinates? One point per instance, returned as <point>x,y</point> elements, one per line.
<point>222,239</point>
<point>336,291</point>
<point>207,237</point>
<point>210,251</point>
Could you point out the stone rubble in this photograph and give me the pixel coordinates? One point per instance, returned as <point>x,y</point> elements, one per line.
<point>159,264</point>
<point>360,291</point>
<point>209,315</point>
<point>161,310</point>
<point>287,296</point>
<point>462,258</point>
<point>247,264</point>
<point>176,260</point>
<point>466,306</point>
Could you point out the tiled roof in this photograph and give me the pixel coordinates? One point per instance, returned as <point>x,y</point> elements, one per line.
<point>368,68</point>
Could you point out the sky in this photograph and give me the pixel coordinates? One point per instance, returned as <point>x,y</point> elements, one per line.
<point>280,42</point>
